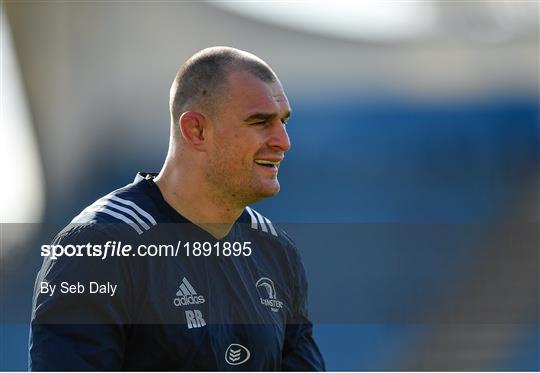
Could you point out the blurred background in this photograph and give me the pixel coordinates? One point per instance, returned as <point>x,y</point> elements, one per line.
<point>412,187</point>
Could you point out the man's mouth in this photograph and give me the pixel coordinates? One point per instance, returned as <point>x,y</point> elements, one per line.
<point>267,163</point>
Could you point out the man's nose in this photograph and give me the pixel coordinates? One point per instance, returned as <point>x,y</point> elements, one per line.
<point>280,138</point>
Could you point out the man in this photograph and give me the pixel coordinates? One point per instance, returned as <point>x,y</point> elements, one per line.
<point>233,297</point>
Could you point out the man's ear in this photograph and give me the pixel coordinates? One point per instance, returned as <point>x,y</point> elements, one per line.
<point>194,128</point>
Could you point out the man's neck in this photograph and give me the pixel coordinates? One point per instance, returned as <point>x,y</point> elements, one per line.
<point>196,204</point>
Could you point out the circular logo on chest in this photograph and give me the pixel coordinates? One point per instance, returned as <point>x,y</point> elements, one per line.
<point>236,354</point>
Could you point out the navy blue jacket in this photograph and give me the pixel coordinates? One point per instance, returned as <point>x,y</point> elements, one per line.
<point>170,312</point>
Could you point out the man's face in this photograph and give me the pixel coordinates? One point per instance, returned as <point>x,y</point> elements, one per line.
<point>249,138</point>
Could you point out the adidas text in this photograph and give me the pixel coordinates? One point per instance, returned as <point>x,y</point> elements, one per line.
<point>188,300</point>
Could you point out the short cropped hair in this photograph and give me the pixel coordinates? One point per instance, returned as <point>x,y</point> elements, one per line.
<point>200,83</point>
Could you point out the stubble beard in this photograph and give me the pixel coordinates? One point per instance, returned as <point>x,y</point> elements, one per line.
<point>236,187</point>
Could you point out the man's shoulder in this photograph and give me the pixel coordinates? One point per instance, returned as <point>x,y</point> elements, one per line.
<point>130,209</point>
<point>266,229</point>
<point>278,243</point>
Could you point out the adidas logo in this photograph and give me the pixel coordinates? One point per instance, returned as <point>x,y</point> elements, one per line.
<point>186,295</point>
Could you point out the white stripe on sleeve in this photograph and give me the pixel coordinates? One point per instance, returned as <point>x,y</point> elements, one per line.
<point>261,220</point>
<point>107,203</point>
<point>271,226</point>
<point>137,208</point>
<point>253,218</point>
<point>116,215</point>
